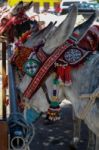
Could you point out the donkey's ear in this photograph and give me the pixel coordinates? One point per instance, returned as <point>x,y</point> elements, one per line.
<point>62,33</point>
<point>27,6</point>
<point>17,8</point>
<point>38,37</point>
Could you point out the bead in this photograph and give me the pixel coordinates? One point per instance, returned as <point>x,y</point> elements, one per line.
<point>54,92</point>
<point>54,98</point>
<point>54,103</point>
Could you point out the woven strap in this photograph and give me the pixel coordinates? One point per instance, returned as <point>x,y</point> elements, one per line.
<point>42,72</point>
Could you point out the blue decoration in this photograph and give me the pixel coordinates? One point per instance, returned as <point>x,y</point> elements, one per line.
<point>31,67</point>
<point>32,115</point>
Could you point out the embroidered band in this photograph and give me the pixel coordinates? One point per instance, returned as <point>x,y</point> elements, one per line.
<point>32,87</point>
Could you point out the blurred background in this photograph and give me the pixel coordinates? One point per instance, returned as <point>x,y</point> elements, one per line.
<point>59,6</point>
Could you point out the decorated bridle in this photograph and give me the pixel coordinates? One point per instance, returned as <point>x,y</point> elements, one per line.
<point>43,63</point>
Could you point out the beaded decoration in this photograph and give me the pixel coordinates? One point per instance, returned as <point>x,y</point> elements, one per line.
<point>53,113</point>
<point>31,67</point>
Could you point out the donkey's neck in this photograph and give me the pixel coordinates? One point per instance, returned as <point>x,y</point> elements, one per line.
<point>84,81</point>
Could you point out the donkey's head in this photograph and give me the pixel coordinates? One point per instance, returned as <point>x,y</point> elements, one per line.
<point>59,35</point>
<point>57,38</point>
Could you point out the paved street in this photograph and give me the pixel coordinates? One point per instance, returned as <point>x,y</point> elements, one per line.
<point>58,135</point>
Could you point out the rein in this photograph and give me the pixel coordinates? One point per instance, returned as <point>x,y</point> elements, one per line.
<point>45,90</point>
<point>92,97</point>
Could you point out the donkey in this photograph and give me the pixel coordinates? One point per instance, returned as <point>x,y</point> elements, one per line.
<point>83,93</point>
<point>44,34</point>
<point>37,94</point>
<point>36,40</point>
<point>80,87</point>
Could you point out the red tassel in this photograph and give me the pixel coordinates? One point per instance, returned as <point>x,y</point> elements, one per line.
<point>68,75</point>
<point>61,72</point>
<point>58,71</point>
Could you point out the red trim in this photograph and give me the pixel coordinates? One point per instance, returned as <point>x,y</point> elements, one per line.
<point>75,34</point>
<point>70,41</point>
<point>41,55</point>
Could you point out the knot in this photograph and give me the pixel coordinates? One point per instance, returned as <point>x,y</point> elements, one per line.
<point>94,95</point>
<point>27,106</point>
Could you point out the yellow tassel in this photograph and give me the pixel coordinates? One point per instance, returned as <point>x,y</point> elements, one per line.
<point>54,98</point>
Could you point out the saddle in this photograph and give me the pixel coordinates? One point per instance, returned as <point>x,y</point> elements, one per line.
<point>91,40</point>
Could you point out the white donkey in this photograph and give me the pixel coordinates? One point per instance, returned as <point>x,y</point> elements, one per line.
<point>53,42</point>
<point>83,93</point>
<point>41,98</point>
